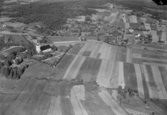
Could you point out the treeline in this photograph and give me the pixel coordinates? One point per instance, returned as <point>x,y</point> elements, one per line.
<point>52,15</point>
<point>8,70</point>
<point>12,72</point>
<point>16,57</point>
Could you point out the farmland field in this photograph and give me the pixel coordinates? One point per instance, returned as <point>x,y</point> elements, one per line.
<point>47,91</point>
<point>51,61</point>
<point>12,49</point>
<point>17,39</point>
<point>59,38</point>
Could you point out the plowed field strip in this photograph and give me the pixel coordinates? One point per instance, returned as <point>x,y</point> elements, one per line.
<point>92,108</point>
<point>161,104</point>
<point>66,106</point>
<point>145,59</point>
<point>51,110</point>
<point>139,80</point>
<point>129,55</point>
<point>118,110</point>
<point>130,76</point>
<point>62,67</point>
<point>58,109</point>
<point>27,88</point>
<point>29,103</point>
<point>157,109</point>
<point>86,53</point>
<point>113,53</point>
<point>137,61</point>
<point>108,50</point>
<point>154,56</point>
<point>91,46</point>
<point>7,102</point>
<point>88,70</point>
<point>121,54</point>
<point>104,108</point>
<point>76,106</point>
<point>121,79</point>
<point>82,69</point>
<point>104,51</point>
<point>95,69</point>
<point>70,66</point>
<point>155,64</point>
<point>94,47</point>
<point>163,72</point>
<point>79,91</point>
<point>152,81</point>
<point>76,48</point>
<point>135,55</point>
<point>149,53</point>
<point>96,106</point>
<point>104,75</point>
<point>96,50</point>
<point>146,90</point>
<point>75,68</point>
<point>154,61</point>
<point>43,106</point>
<point>161,88</point>
<point>88,73</point>
<point>151,92</point>
<point>115,76</point>
<point>86,46</point>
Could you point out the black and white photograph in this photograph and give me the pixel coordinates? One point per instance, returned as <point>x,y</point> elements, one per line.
<point>83,57</point>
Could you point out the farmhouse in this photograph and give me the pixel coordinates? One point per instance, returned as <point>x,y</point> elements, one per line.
<point>44,48</point>
<point>134,26</point>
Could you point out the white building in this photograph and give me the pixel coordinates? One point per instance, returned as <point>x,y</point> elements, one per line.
<point>44,48</point>
<point>81,18</point>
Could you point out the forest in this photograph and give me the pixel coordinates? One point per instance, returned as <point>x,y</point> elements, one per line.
<point>52,15</point>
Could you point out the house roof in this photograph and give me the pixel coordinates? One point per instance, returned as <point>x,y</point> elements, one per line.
<point>106,13</point>
<point>135,25</point>
<point>45,47</point>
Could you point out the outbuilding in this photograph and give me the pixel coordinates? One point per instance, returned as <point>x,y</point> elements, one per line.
<point>44,48</point>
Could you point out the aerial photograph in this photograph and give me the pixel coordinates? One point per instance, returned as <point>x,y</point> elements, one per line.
<point>83,57</point>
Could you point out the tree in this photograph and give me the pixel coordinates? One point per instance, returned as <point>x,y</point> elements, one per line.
<point>15,73</point>
<point>17,61</point>
<point>7,63</point>
<point>11,56</point>
<point>6,72</point>
<point>54,48</point>
<point>2,57</point>
<point>19,72</point>
<point>2,69</point>
<point>11,74</point>
<point>88,19</point>
<point>1,64</point>
<point>120,90</point>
